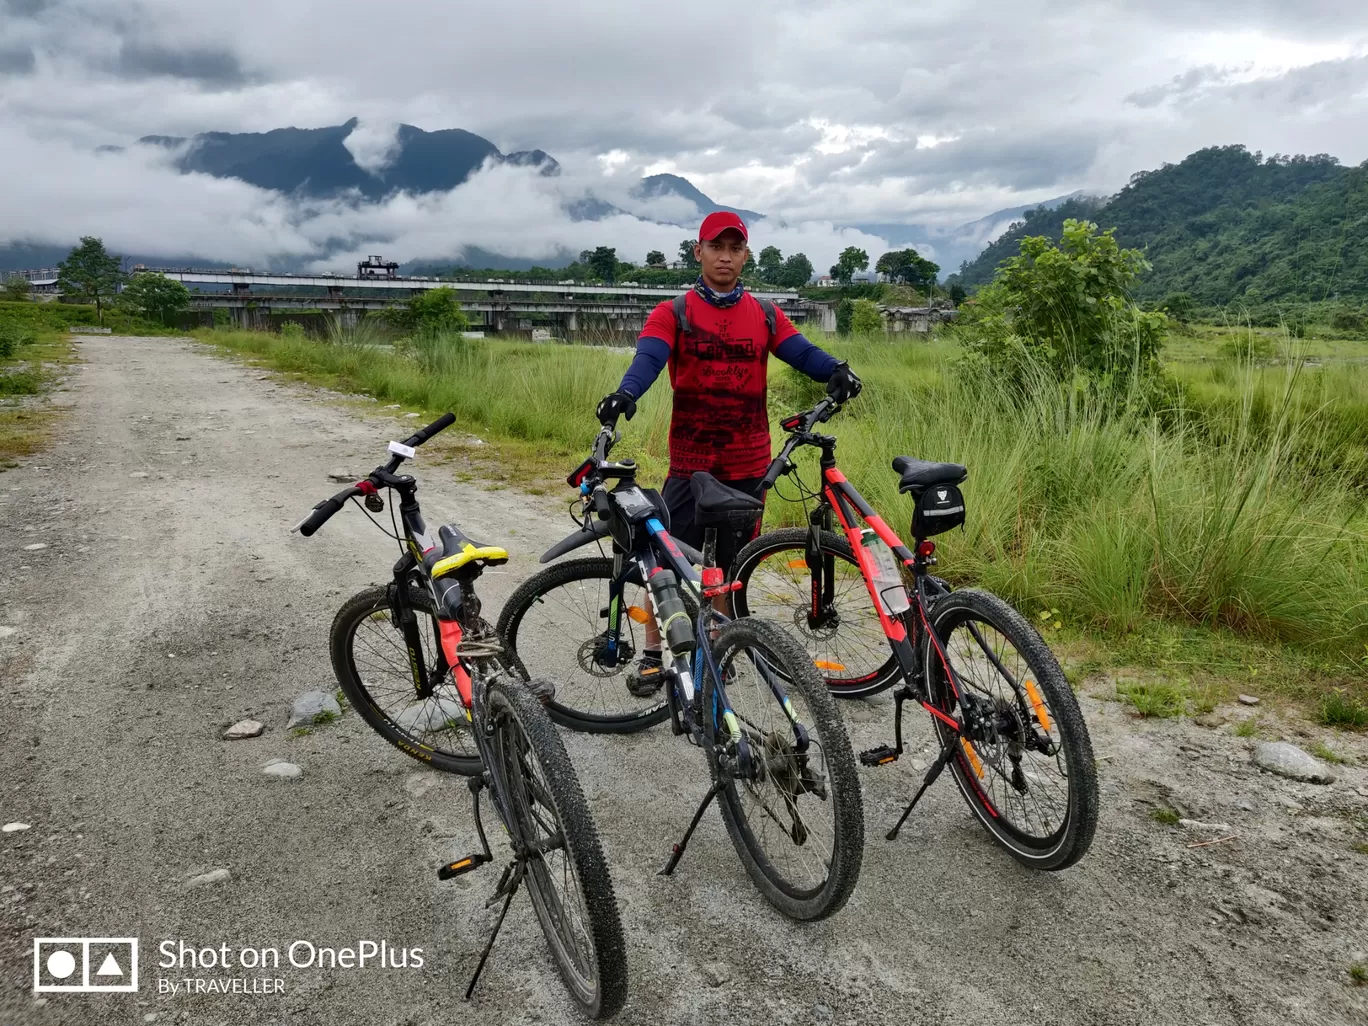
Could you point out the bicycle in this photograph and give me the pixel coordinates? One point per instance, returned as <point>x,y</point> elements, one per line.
<point>1003,712</point>
<point>460,681</point>
<point>782,769</point>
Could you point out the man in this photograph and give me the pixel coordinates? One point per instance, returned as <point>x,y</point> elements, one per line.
<point>720,422</point>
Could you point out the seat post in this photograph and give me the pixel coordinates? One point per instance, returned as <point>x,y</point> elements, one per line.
<point>710,546</point>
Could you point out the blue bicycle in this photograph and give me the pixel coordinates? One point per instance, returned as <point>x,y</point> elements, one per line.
<point>743,690</point>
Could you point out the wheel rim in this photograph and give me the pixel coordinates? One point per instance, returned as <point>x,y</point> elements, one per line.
<point>552,880</point>
<point>380,661</point>
<point>1016,769</point>
<point>559,637</point>
<point>766,809</point>
<point>778,587</point>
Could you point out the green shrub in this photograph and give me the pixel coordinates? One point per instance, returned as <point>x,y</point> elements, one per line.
<point>20,383</point>
<point>865,318</point>
<point>292,331</point>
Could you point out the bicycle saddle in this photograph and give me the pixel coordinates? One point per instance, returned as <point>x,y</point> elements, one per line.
<point>918,475</point>
<point>454,550</point>
<point>717,503</point>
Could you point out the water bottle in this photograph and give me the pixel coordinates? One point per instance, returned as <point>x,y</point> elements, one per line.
<point>670,611</point>
<point>888,579</point>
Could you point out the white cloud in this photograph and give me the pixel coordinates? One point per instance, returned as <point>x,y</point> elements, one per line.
<point>373,145</point>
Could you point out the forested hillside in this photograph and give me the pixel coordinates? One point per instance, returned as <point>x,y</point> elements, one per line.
<point>1226,224</point>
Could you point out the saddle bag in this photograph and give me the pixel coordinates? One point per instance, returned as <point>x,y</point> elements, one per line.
<point>939,508</point>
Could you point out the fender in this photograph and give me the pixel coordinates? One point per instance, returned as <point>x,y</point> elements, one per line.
<point>599,529</point>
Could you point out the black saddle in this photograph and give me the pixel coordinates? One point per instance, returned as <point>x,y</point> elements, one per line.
<point>717,504</point>
<point>918,475</point>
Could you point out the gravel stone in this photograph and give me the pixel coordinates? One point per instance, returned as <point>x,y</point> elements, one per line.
<point>310,705</point>
<point>283,770</point>
<point>243,729</point>
<point>214,876</point>
<point>1248,700</point>
<point>1287,760</point>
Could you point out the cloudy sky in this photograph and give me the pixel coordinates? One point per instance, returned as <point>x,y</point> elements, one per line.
<point>822,113</point>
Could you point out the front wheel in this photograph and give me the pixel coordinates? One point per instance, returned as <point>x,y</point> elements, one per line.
<point>797,817</point>
<point>1026,769</point>
<point>845,639</point>
<point>557,623</point>
<point>567,874</point>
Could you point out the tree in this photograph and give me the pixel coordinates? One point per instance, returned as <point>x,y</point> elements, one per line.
<point>1067,309</point>
<point>852,259</point>
<point>865,318</point>
<point>154,296</point>
<point>771,265</point>
<point>957,294</point>
<point>604,263</point>
<point>796,272</point>
<point>1179,306</point>
<point>845,313</point>
<point>908,266</point>
<point>17,289</point>
<point>655,258</point>
<point>749,266</point>
<point>686,253</point>
<point>90,273</point>
<point>433,310</point>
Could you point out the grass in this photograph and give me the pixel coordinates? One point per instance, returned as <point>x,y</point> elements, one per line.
<point>1247,727</point>
<point>29,370</point>
<point>1154,699</point>
<point>1165,816</point>
<point>1339,709</point>
<point>301,731</point>
<point>1222,540</point>
<point>1358,974</point>
<point>1325,753</point>
<point>326,716</point>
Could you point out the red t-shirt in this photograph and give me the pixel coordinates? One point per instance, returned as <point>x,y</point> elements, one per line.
<point>721,420</point>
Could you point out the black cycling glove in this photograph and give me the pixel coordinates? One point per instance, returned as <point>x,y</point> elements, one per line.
<point>843,385</point>
<point>611,407</point>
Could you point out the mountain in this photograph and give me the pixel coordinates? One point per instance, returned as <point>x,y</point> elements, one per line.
<point>949,247</point>
<point>672,185</point>
<point>316,161</point>
<point>1227,224</point>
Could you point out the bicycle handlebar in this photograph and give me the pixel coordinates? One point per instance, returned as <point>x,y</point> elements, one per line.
<point>324,511</point>
<point>799,426</point>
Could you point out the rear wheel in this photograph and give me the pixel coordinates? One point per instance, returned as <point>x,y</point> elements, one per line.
<point>1027,770</point>
<point>847,644</point>
<point>370,659</point>
<point>567,874</point>
<point>798,820</point>
<point>556,622</point>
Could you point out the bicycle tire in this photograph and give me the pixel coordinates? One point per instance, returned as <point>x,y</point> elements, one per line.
<point>510,707</point>
<point>866,679</point>
<point>823,720</point>
<point>342,635</point>
<point>562,709</point>
<point>1071,840</point>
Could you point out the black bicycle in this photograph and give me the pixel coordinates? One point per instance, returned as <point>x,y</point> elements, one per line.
<point>871,614</point>
<point>782,768</point>
<point>421,666</point>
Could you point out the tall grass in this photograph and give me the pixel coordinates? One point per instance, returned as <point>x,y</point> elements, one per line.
<point>1230,514</point>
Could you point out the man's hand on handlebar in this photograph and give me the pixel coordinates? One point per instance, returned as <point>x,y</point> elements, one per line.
<point>615,405</point>
<point>843,385</point>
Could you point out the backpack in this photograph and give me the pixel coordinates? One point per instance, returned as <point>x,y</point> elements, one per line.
<point>682,318</point>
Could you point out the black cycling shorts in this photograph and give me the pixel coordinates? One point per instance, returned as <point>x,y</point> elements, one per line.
<point>678,498</point>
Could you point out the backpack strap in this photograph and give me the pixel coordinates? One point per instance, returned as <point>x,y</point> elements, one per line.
<point>771,316</point>
<point>681,314</point>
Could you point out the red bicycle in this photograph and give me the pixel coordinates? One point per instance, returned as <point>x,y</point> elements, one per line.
<point>871,614</point>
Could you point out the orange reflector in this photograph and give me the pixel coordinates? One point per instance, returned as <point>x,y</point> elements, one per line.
<point>797,564</point>
<point>638,615</point>
<point>1037,703</point>
<point>824,664</point>
<point>461,864</point>
<point>972,755</point>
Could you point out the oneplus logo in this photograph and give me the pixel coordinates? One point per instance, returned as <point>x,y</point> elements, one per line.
<point>85,964</point>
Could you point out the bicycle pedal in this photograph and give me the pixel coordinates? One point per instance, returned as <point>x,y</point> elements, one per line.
<point>465,865</point>
<point>880,756</point>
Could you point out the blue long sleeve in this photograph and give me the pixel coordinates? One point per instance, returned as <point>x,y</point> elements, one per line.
<point>651,356</point>
<point>803,356</point>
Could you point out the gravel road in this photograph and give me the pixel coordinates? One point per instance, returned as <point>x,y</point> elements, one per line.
<point>171,600</point>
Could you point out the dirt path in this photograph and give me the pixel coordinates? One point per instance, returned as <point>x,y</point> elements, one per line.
<point>171,600</point>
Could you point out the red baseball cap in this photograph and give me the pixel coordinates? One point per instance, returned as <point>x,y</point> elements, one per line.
<point>716,223</point>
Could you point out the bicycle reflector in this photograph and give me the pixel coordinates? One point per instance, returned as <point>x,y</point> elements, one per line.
<point>926,547</point>
<point>712,576</point>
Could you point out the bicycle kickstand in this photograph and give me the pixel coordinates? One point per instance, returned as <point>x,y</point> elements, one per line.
<point>883,755</point>
<point>470,862</point>
<point>678,852</point>
<point>947,752</point>
<point>508,886</point>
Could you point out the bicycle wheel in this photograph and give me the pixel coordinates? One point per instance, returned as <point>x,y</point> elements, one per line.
<point>849,648</point>
<point>799,825</point>
<point>567,875</point>
<point>371,662</point>
<point>1027,772</point>
<point>556,621</point>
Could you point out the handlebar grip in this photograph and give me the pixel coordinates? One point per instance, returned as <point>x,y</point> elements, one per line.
<point>440,424</point>
<point>776,471</point>
<point>323,512</point>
